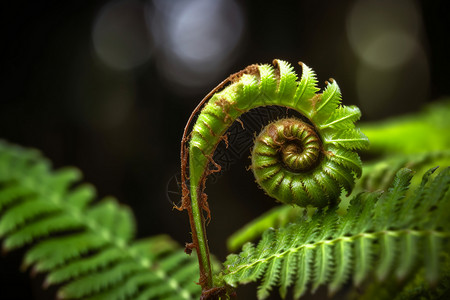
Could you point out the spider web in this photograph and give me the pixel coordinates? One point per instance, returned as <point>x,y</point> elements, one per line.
<point>240,140</point>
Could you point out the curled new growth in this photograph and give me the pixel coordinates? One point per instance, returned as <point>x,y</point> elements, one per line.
<point>305,162</point>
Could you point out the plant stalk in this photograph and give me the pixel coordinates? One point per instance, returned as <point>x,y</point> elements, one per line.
<point>200,240</point>
<point>191,202</point>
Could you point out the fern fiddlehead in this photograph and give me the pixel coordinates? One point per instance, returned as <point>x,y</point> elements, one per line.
<point>287,155</point>
<point>306,162</point>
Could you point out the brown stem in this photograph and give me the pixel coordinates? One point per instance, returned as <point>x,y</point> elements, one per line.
<point>195,208</point>
<point>204,262</point>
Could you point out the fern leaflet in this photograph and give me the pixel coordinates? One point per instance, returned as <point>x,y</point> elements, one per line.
<point>330,248</point>
<point>86,249</point>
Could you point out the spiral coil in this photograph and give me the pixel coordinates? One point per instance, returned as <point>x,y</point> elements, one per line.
<point>307,163</point>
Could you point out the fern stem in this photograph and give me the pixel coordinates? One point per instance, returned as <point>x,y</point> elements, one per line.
<point>200,239</point>
<point>307,173</point>
<point>191,203</point>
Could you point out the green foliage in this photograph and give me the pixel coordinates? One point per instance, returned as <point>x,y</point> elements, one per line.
<point>276,217</point>
<point>337,165</point>
<point>378,173</point>
<point>426,131</point>
<point>381,233</point>
<point>87,249</point>
<point>417,141</point>
<point>304,161</point>
<point>415,288</point>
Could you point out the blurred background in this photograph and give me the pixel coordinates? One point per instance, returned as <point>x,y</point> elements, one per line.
<point>107,86</point>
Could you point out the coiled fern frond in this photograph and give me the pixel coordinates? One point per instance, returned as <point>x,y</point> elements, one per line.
<point>307,160</point>
<point>88,250</point>
<point>303,161</point>
<point>382,233</point>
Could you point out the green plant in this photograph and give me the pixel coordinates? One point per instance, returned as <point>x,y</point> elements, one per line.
<point>328,249</point>
<point>303,161</point>
<point>86,249</point>
<point>388,225</point>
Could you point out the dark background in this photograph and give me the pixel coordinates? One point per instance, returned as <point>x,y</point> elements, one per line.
<point>121,121</point>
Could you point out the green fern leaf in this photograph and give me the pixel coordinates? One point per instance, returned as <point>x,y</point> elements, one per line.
<point>406,261</point>
<point>25,211</point>
<point>307,89</point>
<point>41,228</point>
<point>345,179</point>
<point>429,129</point>
<point>80,196</point>
<point>343,264</point>
<point>273,270</point>
<point>62,179</point>
<point>276,217</point>
<point>388,254</point>
<point>86,249</point>
<point>56,251</point>
<point>343,117</point>
<point>362,259</point>
<point>90,284</point>
<point>327,103</point>
<point>323,263</point>
<point>386,209</point>
<point>305,257</point>
<point>268,82</point>
<point>118,219</point>
<point>270,279</point>
<point>331,249</point>
<point>88,265</point>
<point>125,289</point>
<point>348,159</point>
<point>348,139</point>
<point>287,85</point>
<point>253,273</point>
<point>288,271</point>
<point>434,194</point>
<point>415,200</point>
<point>432,245</point>
<point>11,193</point>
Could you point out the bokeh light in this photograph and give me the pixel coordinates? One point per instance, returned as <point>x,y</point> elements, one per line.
<point>387,38</point>
<point>384,33</point>
<point>120,36</point>
<point>196,39</point>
